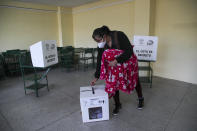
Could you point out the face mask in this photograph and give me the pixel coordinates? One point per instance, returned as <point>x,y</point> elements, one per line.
<point>101,44</point>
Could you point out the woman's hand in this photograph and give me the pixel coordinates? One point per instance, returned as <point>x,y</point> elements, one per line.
<point>113,63</point>
<point>94,82</point>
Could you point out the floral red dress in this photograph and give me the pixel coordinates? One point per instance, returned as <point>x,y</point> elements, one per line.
<point>121,77</point>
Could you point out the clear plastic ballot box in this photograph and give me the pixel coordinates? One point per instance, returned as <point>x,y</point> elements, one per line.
<point>44,53</point>
<point>94,103</point>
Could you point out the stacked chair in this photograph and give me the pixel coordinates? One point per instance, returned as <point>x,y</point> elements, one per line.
<point>87,56</point>
<point>95,53</point>
<point>70,57</point>
<point>2,71</point>
<point>67,57</point>
<point>78,54</point>
<point>11,59</point>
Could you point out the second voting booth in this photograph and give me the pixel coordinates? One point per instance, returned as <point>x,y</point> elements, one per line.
<point>145,48</point>
<point>43,55</point>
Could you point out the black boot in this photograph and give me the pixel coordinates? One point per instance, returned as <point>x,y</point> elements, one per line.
<point>117,103</point>
<point>116,109</point>
<point>141,103</point>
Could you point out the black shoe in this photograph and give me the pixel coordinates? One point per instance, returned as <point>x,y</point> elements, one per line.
<point>141,103</point>
<point>117,108</point>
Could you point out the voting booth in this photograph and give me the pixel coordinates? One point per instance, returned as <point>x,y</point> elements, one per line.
<point>145,47</point>
<point>44,53</point>
<point>94,103</point>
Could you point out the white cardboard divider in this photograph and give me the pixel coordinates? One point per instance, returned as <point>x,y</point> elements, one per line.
<point>44,53</point>
<point>145,47</point>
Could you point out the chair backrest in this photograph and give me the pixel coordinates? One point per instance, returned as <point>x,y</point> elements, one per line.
<point>2,70</point>
<point>11,57</point>
<point>59,48</point>
<point>11,61</point>
<point>95,52</point>
<point>1,59</point>
<point>13,52</point>
<point>26,65</point>
<point>67,49</point>
<point>23,51</point>
<point>78,50</point>
<point>88,52</point>
<point>25,59</point>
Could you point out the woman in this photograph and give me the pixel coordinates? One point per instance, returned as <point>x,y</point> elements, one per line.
<point>115,44</point>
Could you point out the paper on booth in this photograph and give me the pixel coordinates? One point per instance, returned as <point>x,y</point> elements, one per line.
<point>44,53</point>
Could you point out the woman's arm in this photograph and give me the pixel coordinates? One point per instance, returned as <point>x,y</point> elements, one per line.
<point>124,45</point>
<point>98,66</point>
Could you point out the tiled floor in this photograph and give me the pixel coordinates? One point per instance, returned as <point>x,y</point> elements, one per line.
<point>169,106</point>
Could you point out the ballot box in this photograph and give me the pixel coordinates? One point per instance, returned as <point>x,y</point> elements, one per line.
<point>44,53</point>
<point>94,103</point>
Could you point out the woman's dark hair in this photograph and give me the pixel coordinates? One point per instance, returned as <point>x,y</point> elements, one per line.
<point>104,30</point>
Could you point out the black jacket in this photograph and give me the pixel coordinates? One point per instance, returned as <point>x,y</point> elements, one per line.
<point>123,43</point>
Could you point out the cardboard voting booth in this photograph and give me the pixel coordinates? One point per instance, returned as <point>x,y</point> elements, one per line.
<point>44,53</point>
<point>94,103</point>
<point>145,47</point>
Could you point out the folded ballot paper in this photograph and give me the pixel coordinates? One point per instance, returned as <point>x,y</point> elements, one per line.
<point>94,103</point>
